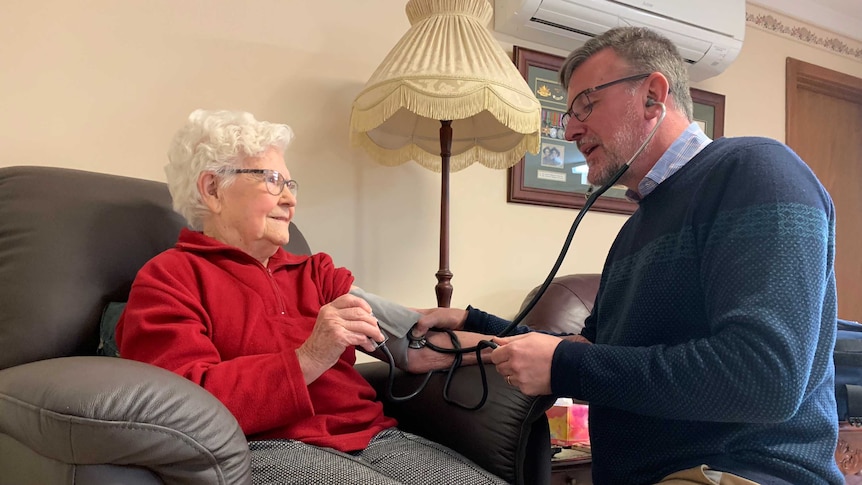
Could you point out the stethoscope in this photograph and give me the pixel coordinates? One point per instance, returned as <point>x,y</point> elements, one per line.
<point>417,342</point>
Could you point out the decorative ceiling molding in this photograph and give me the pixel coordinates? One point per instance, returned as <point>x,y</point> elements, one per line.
<point>782,25</point>
<point>841,17</point>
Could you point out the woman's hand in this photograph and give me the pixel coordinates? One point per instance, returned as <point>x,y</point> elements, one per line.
<point>345,322</point>
<point>451,318</point>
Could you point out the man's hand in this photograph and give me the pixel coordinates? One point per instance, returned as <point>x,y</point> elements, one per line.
<point>577,338</point>
<point>451,318</point>
<point>525,361</point>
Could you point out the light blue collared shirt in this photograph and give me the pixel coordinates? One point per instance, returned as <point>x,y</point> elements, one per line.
<point>689,143</point>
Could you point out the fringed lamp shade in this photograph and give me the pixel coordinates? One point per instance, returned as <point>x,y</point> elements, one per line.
<point>447,96</point>
<point>447,67</point>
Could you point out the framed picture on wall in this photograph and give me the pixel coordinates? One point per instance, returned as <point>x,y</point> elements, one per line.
<point>709,112</point>
<point>557,175</point>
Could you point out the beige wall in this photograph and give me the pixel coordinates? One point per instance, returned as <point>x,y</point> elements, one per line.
<point>101,85</point>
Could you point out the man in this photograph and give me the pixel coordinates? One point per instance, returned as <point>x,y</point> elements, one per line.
<point>707,358</point>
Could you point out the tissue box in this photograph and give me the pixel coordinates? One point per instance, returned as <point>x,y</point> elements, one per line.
<point>569,424</point>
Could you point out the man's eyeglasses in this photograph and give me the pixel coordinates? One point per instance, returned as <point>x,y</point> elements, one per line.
<point>582,106</point>
<point>275,182</point>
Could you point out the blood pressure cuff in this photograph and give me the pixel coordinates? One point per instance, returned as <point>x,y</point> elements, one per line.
<point>395,321</point>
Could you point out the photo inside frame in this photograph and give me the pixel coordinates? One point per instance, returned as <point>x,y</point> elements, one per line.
<point>559,165</point>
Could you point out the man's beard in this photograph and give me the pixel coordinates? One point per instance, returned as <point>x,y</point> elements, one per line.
<point>625,142</point>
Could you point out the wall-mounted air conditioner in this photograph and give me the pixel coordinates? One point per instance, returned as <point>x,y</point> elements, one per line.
<point>708,33</point>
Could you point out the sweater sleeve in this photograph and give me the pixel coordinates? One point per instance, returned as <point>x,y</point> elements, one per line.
<point>332,281</point>
<point>485,323</point>
<point>767,272</point>
<point>589,330</point>
<point>763,233</point>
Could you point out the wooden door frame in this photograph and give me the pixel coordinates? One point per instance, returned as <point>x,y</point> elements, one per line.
<point>803,75</point>
<point>804,80</point>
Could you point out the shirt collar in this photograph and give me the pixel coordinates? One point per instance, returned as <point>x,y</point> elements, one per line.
<point>688,144</point>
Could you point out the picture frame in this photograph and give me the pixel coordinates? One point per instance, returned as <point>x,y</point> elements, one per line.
<point>558,178</point>
<point>708,112</point>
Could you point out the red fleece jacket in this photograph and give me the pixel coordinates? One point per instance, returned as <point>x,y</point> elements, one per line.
<point>215,315</point>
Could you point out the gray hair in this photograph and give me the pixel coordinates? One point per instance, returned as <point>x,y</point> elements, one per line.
<point>215,141</point>
<point>644,50</point>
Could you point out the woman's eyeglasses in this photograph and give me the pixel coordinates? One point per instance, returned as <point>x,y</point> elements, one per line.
<point>275,181</point>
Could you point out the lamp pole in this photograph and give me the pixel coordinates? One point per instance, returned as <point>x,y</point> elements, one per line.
<point>443,289</point>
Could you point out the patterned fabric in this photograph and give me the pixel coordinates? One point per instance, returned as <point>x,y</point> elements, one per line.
<point>715,321</point>
<point>713,326</point>
<point>393,457</point>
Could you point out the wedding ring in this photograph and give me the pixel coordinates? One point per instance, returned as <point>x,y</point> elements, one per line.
<point>509,380</point>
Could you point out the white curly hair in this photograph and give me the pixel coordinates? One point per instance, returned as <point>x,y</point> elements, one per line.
<point>215,141</point>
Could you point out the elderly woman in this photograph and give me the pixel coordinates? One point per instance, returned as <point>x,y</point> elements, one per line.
<point>271,334</point>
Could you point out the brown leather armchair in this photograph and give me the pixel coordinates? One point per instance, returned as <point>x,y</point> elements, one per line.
<point>70,243</point>
<point>565,305</point>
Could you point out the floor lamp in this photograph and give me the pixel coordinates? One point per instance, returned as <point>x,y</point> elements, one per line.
<point>447,96</point>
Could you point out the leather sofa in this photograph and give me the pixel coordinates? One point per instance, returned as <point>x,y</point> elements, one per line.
<point>71,242</point>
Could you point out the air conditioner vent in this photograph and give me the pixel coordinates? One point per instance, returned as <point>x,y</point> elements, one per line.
<point>562,27</point>
<point>707,33</point>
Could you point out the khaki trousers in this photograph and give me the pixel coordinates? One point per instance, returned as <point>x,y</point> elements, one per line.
<point>702,475</point>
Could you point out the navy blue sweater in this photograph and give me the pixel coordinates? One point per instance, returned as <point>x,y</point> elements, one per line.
<point>713,327</point>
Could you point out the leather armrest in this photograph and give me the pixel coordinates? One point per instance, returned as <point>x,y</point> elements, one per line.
<point>105,410</point>
<point>565,305</point>
<point>508,436</point>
